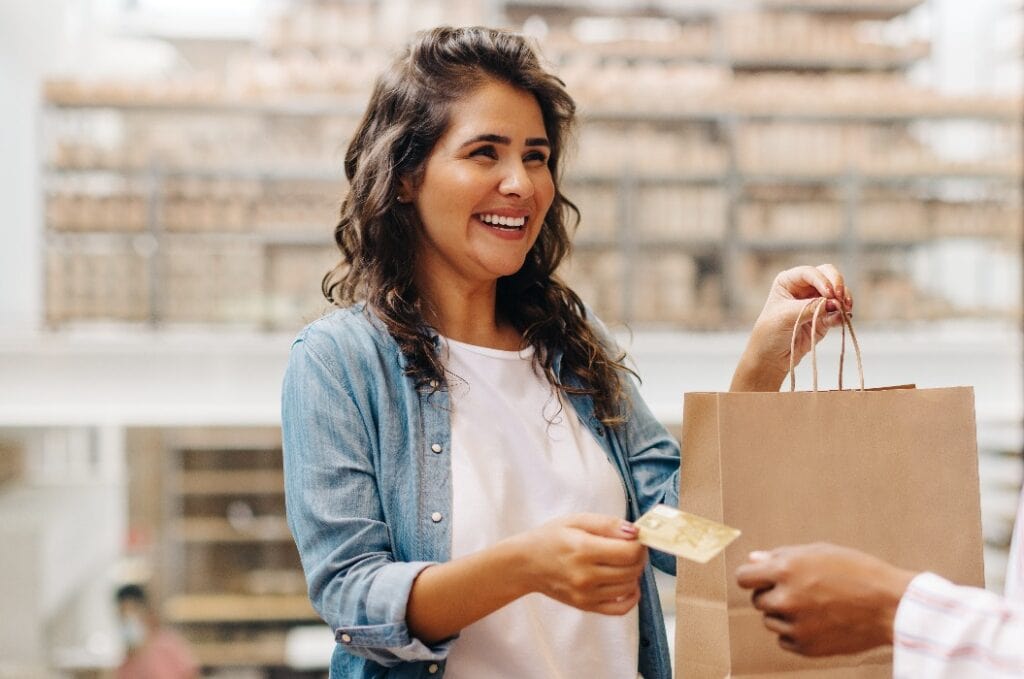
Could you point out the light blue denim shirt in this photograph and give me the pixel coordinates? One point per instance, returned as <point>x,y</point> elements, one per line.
<point>369,494</point>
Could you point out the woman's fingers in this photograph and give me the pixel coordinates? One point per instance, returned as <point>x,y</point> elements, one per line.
<point>609,576</point>
<point>619,605</point>
<point>618,591</point>
<point>802,282</point>
<point>824,280</point>
<point>836,281</point>
<point>591,561</point>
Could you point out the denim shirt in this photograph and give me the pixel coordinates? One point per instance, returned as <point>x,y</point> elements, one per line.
<point>369,494</point>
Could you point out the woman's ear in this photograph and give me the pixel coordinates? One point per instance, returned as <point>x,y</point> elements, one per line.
<point>405,190</point>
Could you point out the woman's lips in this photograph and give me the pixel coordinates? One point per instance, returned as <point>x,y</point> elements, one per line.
<point>503,231</point>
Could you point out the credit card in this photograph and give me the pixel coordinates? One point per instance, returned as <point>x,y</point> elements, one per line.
<point>687,535</point>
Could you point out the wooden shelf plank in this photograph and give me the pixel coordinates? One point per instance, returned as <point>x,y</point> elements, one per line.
<point>240,653</point>
<point>233,482</point>
<point>876,9</point>
<point>823,111</point>
<point>214,529</point>
<point>240,608</point>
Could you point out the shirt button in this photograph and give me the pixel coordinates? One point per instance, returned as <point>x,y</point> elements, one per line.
<point>600,430</point>
<point>346,639</point>
<point>433,384</point>
<point>436,448</point>
<point>432,669</point>
<point>436,517</point>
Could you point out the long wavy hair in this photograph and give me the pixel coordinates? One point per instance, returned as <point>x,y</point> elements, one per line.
<point>379,237</point>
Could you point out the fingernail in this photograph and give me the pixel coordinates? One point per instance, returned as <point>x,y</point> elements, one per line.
<point>759,556</point>
<point>628,528</point>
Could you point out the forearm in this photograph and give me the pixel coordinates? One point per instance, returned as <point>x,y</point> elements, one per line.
<point>755,373</point>
<point>447,597</point>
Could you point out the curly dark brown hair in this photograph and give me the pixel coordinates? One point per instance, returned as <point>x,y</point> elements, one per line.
<point>379,237</point>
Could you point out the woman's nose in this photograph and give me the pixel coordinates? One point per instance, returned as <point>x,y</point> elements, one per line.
<point>516,181</point>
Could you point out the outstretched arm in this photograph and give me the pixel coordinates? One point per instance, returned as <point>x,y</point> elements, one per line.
<point>765,361</point>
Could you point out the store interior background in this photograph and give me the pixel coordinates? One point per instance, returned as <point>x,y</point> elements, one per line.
<point>170,178</point>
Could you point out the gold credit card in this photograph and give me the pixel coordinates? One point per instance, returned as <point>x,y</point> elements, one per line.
<point>687,535</point>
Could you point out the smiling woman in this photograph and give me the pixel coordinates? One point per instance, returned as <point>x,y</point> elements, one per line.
<point>464,449</point>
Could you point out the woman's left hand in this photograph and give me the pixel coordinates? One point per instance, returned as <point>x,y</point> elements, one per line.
<point>765,361</point>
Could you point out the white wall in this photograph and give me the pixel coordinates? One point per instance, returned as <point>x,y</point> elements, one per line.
<point>29,44</point>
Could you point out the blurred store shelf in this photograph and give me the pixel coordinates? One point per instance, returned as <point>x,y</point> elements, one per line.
<point>739,137</point>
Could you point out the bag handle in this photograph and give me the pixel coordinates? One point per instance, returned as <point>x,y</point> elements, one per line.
<point>819,304</point>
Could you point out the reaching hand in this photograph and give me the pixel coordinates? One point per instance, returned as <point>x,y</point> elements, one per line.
<point>589,561</point>
<point>766,359</point>
<point>822,599</point>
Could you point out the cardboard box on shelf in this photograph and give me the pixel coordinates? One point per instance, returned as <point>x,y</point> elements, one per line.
<point>597,278</point>
<point>664,289</point>
<point>680,213</point>
<point>212,282</point>
<point>294,274</point>
<point>109,283</point>
<point>780,222</point>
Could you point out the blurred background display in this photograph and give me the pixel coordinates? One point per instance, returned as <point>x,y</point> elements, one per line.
<point>173,189</point>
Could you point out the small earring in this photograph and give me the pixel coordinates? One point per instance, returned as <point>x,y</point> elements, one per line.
<point>402,199</point>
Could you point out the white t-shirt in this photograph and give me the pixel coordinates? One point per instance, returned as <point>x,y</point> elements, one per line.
<point>520,457</point>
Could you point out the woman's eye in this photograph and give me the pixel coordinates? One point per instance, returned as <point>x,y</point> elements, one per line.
<point>536,156</point>
<point>486,151</point>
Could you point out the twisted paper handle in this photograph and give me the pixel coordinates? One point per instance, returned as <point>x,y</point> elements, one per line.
<point>820,303</point>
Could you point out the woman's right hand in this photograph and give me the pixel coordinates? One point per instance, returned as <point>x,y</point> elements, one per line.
<point>592,562</point>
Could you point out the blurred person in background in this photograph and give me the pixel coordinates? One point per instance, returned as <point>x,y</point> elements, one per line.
<point>153,651</point>
<point>822,599</point>
<point>464,446</point>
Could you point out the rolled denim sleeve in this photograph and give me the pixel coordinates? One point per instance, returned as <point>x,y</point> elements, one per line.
<point>335,512</point>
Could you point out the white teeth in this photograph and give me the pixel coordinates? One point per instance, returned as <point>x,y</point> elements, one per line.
<point>498,220</point>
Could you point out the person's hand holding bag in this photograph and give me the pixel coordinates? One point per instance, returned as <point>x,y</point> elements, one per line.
<point>766,359</point>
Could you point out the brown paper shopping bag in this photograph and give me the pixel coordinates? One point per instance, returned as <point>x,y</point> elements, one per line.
<point>890,471</point>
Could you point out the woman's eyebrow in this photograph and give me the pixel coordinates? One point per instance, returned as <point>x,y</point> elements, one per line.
<point>500,139</point>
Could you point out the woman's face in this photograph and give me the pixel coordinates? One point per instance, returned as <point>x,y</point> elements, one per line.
<point>485,190</point>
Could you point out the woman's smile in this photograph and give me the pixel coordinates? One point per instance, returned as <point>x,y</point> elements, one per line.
<point>507,223</point>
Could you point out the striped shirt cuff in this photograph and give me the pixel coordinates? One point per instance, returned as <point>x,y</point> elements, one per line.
<point>944,630</point>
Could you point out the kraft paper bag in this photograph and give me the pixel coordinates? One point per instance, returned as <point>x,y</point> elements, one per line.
<point>891,471</point>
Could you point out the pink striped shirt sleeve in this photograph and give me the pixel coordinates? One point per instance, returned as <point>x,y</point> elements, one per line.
<point>946,631</point>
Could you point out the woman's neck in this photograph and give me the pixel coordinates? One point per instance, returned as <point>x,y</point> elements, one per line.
<point>469,314</point>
